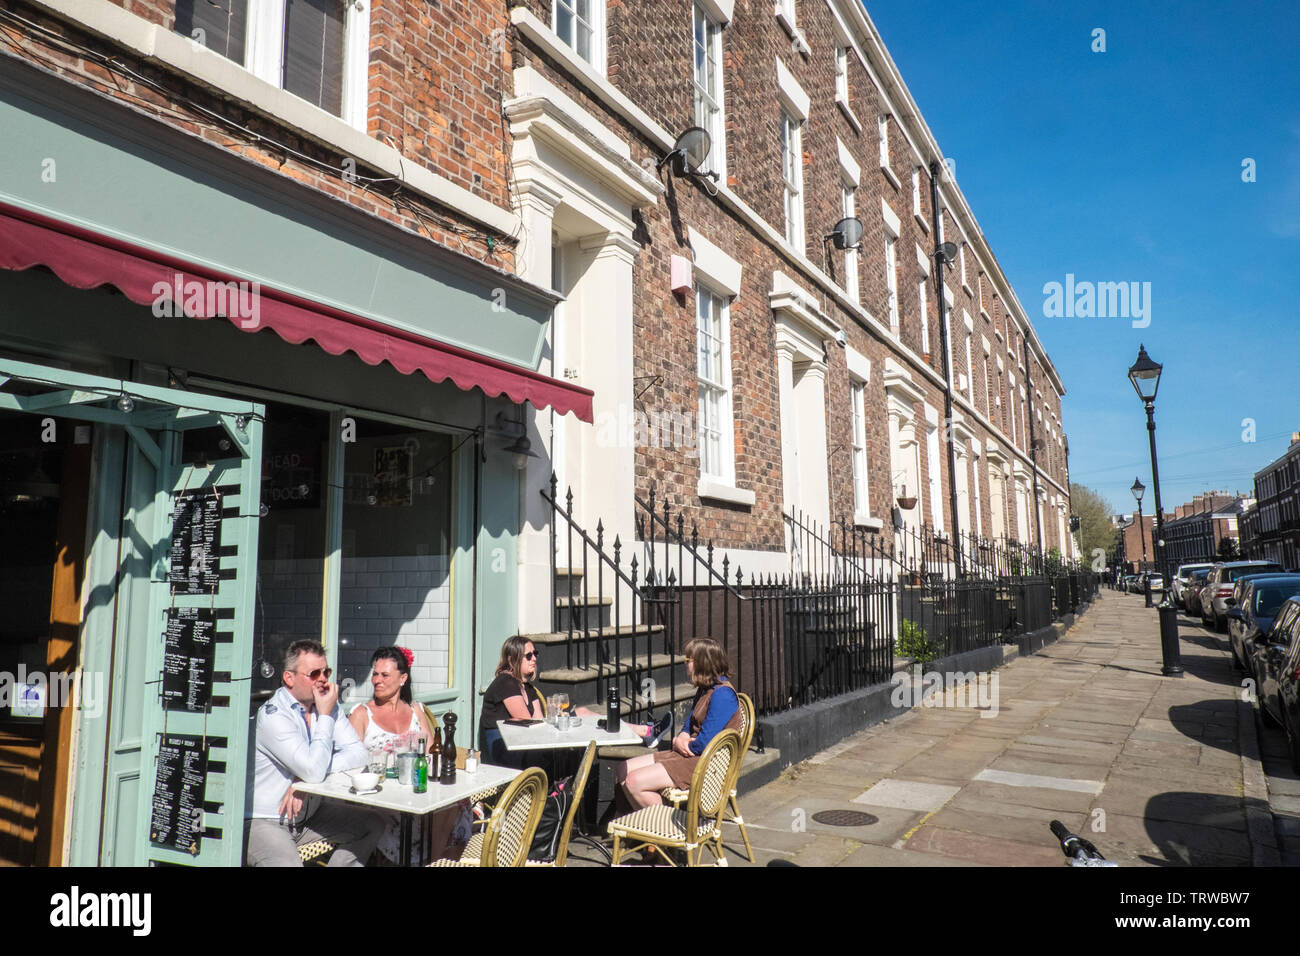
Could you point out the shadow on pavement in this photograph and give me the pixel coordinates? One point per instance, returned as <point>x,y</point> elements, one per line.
<point>1198,829</point>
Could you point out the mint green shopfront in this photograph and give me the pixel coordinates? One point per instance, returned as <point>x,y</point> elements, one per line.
<point>361,505</point>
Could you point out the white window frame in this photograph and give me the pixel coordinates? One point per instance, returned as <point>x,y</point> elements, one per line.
<point>848,206</point>
<point>970,368</point>
<point>724,470</point>
<point>882,128</point>
<point>934,486</point>
<point>916,198</point>
<point>597,25</point>
<point>792,178</point>
<point>858,419</point>
<point>842,73</point>
<point>923,293</point>
<point>961,259</point>
<point>891,279</point>
<point>716,123</point>
<point>264,54</point>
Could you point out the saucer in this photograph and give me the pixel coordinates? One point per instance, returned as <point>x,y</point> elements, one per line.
<point>365,793</point>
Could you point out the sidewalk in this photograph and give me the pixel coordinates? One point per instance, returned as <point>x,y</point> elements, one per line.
<point>1155,771</point>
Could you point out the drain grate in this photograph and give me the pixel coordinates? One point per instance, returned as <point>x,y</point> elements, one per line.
<point>844,818</point>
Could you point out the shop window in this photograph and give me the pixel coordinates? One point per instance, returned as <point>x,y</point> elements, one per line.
<point>396,538</point>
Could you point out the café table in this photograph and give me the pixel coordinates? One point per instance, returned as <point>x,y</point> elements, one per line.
<point>544,736</point>
<point>403,799</point>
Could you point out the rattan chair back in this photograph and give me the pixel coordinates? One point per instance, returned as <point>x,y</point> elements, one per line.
<point>575,801</point>
<point>711,784</point>
<point>746,720</point>
<point>509,833</point>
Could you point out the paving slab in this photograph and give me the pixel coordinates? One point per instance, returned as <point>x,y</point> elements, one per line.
<point>908,795</point>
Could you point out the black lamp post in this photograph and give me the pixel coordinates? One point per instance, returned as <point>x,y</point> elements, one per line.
<point>1138,490</point>
<point>1145,376</point>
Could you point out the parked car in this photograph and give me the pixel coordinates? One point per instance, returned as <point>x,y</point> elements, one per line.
<point>1221,583</point>
<point>1276,659</point>
<point>1153,583</point>
<point>1192,593</point>
<point>1130,583</point>
<point>1251,610</point>
<point>1183,577</point>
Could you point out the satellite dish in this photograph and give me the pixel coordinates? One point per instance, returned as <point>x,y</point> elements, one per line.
<point>847,233</point>
<point>689,152</point>
<point>947,253</point>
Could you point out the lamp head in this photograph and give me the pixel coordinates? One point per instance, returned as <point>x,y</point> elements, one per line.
<point>1145,375</point>
<point>1138,489</point>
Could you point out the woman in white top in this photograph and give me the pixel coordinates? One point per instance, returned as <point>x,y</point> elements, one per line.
<point>392,722</point>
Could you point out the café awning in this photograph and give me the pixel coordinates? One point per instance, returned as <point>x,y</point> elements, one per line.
<point>86,259</point>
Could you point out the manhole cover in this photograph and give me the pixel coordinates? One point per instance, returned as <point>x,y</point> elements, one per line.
<point>844,818</point>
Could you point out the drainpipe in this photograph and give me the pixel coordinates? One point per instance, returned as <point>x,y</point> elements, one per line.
<point>1033,452</point>
<point>947,369</point>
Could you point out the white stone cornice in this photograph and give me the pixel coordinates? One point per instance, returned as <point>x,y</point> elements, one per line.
<point>549,121</point>
<point>794,307</point>
<point>611,244</point>
<point>899,385</point>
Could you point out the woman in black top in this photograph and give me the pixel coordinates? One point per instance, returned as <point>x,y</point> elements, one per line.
<point>510,696</point>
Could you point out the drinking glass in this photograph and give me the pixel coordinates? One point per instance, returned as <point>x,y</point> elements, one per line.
<point>562,701</point>
<point>553,709</point>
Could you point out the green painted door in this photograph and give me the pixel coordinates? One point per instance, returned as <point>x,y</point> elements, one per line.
<point>154,444</point>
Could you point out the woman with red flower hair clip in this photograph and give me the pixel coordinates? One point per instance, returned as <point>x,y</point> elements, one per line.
<point>391,720</point>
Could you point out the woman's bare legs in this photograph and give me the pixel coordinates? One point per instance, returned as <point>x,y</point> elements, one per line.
<point>643,783</point>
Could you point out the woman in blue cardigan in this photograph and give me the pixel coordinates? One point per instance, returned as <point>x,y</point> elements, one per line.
<point>714,709</point>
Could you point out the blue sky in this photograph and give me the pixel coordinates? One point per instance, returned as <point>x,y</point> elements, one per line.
<point>1126,165</point>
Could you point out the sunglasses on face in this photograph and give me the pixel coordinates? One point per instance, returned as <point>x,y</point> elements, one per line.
<point>316,674</point>
<point>532,656</point>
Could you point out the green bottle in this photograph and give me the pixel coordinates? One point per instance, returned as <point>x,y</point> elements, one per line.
<point>421,781</point>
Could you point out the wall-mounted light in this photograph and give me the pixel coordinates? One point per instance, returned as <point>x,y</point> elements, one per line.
<point>125,404</point>
<point>522,450</point>
<point>847,233</point>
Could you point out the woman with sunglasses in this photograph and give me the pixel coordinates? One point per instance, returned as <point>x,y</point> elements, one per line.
<point>511,696</point>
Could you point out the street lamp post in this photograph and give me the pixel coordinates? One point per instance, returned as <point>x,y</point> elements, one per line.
<point>1138,490</point>
<point>1145,376</point>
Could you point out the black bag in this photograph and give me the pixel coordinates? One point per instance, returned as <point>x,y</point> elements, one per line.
<point>546,841</point>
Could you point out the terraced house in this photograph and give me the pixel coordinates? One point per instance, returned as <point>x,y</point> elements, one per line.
<point>350,281</point>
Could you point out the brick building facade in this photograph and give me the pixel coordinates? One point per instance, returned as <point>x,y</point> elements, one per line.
<point>810,122</point>
<point>1272,529</point>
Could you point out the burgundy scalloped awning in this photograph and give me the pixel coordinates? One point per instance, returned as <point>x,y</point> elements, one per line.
<point>86,260</point>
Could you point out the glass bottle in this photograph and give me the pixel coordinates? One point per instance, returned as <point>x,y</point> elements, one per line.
<point>435,756</point>
<point>420,779</point>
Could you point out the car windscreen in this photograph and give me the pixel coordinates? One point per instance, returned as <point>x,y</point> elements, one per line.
<point>1234,573</point>
<point>1200,575</point>
<point>1269,599</point>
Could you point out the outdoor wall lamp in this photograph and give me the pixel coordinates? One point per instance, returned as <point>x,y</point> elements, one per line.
<point>688,154</point>
<point>847,233</point>
<point>1138,490</point>
<point>521,448</point>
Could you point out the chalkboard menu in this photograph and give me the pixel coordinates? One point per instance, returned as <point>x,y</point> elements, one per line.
<point>196,532</point>
<point>178,793</point>
<point>188,657</point>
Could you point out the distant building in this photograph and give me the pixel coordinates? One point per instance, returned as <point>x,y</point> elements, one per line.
<point>1273,527</point>
<point>1200,526</point>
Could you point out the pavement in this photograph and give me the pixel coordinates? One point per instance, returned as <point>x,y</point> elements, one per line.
<point>1156,771</point>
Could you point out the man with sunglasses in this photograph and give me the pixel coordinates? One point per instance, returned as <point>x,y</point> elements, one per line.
<point>301,735</point>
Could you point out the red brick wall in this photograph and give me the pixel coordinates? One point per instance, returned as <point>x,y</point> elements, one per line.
<point>436,76</point>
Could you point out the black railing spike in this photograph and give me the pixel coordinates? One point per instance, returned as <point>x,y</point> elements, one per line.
<point>633,567</point>
<point>555,481</point>
<point>681,526</point>
<point>672,578</point>
<point>600,532</point>
<point>740,577</point>
<point>568,501</point>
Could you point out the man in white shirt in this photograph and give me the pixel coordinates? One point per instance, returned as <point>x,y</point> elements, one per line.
<point>302,735</point>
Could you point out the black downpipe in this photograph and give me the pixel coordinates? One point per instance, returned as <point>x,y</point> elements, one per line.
<point>947,363</point>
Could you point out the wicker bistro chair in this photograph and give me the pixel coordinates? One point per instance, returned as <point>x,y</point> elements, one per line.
<point>732,812</point>
<point>509,832</point>
<point>700,824</point>
<point>575,802</point>
<point>315,852</point>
